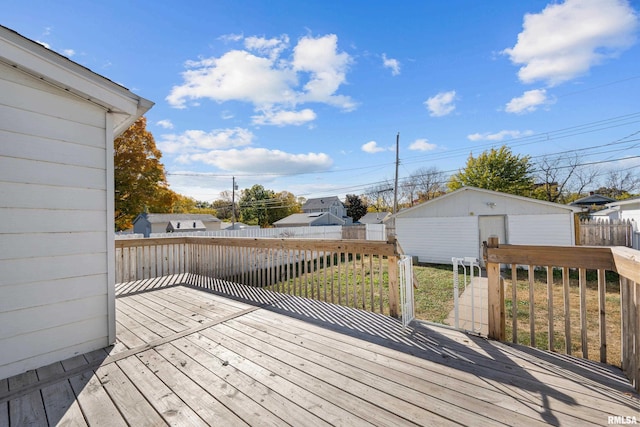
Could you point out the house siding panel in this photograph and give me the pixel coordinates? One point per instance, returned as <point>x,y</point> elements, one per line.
<point>432,239</point>
<point>53,199</point>
<point>549,230</point>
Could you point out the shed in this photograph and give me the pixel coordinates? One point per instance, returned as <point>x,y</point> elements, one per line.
<point>147,223</point>
<point>58,121</point>
<point>309,220</point>
<point>375,218</point>
<point>456,224</point>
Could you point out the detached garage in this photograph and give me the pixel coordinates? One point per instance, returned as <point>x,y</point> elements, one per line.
<point>456,224</point>
<point>58,121</point>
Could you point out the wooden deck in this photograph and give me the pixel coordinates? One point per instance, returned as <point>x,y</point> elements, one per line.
<point>230,355</point>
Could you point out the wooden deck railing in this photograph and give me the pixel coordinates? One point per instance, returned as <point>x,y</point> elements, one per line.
<point>624,261</point>
<point>353,273</point>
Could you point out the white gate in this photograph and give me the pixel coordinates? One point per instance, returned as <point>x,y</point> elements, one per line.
<point>405,269</point>
<point>467,300</point>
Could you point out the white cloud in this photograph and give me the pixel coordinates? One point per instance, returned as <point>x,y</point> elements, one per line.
<point>528,102</point>
<point>441,104</point>
<point>499,136</point>
<point>269,47</point>
<point>68,52</point>
<point>45,44</point>
<point>392,64</point>
<point>264,161</point>
<point>166,124</point>
<point>283,118</point>
<point>236,75</point>
<point>326,67</point>
<point>566,39</point>
<point>373,147</point>
<point>231,37</point>
<point>422,145</point>
<point>266,77</point>
<point>197,141</point>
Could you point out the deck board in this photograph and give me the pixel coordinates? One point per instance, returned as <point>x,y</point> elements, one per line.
<point>4,406</point>
<point>188,356</point>
<point>59,401</point>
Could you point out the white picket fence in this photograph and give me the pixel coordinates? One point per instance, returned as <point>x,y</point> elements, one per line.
<point>373,232</point>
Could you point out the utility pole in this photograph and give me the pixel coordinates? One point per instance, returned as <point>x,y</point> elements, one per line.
<point>395,185</point>
<point>233,202</point>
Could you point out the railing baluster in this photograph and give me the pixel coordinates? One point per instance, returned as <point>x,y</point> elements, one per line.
<point>582,273</point>
<point>532,309</point>
<point>551,342</point>
<point>602,285</point>
<point>514,303</point>
<point>567,309</point>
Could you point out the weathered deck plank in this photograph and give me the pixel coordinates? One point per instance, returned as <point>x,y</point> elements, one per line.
<point>189,357</point>
<point>4,406</point>
<point>60,403</point>
<point>128,399</point>
<point>387,380</point>
<point>218,387</point>
<point>29,408</point>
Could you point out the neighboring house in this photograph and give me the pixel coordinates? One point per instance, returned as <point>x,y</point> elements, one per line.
<point>147,223</point>
<point>606,214</point>
<point>182,226</point>
<point>628,209</point>
<point>456,224</point>
<point>375,218</point>
<point>592,201</point>
<point>309,220</point>
<point>58,121</point>
<point>228,226</point>
<point>331,204</point>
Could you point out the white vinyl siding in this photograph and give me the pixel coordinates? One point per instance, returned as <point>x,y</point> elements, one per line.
<point>548,230</point>
<point>437,240</point>
<point>53,204</point>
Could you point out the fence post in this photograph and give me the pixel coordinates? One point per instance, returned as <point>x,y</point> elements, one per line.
<point>497,318</point>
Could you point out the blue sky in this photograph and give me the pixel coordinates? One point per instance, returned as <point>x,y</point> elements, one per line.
<point>308,96</point>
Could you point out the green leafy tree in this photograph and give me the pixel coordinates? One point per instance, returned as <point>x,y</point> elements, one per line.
<point>286,204</point>
<point>263,207</point>
<point>497,170</point>
<point>356,207</point>
<point>140,180</point>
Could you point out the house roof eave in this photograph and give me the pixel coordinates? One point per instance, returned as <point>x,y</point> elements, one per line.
<point>57,70</point>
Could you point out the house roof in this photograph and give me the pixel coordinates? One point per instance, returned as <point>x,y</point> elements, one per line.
<point>320,203</point>
<point>302,219</point>
<point>156,218</point>
<point>59,71</point>
<point>375,218</point>
<point>186,225</point>
<point>593,199</point>
<point>462,190</point>
<point>630,201</point>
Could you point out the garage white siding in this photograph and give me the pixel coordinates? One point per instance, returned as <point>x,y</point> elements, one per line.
<point>452,225</point>
<point>553,230</point>
<point>437,240</point>
<point>53,202</point>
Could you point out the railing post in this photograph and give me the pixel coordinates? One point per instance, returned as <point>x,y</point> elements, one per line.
<point>394,283</point>
<point>497,318</point>
<point>394,286</point>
